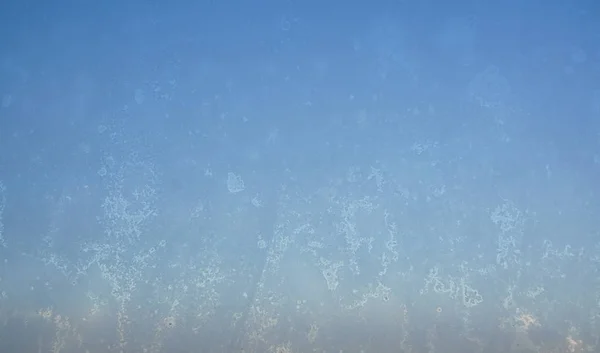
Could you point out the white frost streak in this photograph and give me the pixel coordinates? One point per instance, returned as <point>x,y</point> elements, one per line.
<point>235,183</point>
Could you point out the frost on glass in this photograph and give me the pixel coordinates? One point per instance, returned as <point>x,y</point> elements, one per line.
<point>386,233</point>
<point>510,221</point>
<point>235,183</point>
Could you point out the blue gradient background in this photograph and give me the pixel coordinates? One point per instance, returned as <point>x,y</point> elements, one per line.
<point>300,176</point>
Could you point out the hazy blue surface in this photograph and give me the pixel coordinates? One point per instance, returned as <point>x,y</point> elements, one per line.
<point>300,176</point>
